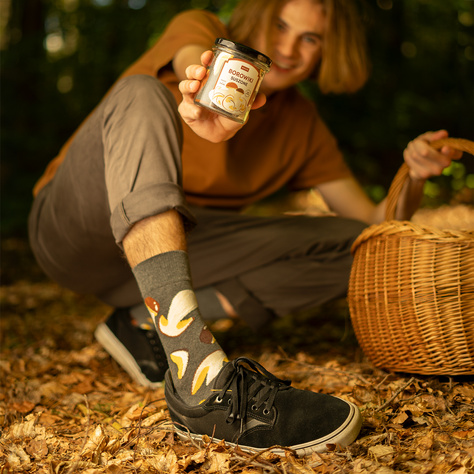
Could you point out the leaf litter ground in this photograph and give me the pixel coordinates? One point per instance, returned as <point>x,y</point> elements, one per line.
<point>67,407</point>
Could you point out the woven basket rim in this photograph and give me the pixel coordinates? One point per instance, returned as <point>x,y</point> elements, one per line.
<point>410,229</point>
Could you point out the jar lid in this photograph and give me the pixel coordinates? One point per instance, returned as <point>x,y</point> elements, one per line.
<point>244,49</point>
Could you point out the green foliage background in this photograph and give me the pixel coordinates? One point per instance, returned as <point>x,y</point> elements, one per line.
<point>58,57</point>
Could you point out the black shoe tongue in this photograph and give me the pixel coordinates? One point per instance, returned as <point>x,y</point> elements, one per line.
<point>224,375</point>
<point>227,372</point>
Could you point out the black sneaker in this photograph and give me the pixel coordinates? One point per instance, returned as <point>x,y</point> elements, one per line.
<point>255,410</point>
<point>138,351</point>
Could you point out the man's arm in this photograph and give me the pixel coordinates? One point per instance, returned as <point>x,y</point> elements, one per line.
<point>187,55</point>
<point>348,199</point>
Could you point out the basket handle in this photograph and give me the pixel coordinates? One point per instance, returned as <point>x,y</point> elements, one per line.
<point>402,174</point>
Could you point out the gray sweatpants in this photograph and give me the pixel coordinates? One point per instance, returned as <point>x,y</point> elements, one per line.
<point>123,166</point>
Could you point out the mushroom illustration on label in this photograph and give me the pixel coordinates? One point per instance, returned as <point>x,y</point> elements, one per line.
<point>230,98</point>
<point>233,80</point>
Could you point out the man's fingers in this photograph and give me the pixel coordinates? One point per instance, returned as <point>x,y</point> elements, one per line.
<point>189,87</point>
<point>433,136</point>
<point>194,71</point>
<point>423,160</point>
<point>451,152</point>
<point>206,58</point>
<point>259,101</point>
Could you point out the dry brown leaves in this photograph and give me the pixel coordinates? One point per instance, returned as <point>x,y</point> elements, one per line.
<point>66,407</point>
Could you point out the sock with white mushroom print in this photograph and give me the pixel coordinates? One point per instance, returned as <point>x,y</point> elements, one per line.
<point>194,356</point>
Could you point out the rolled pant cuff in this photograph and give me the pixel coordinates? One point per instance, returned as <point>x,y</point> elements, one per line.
<point>148,202</point>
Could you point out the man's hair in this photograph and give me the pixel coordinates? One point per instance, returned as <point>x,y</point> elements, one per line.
<point>344,65</point>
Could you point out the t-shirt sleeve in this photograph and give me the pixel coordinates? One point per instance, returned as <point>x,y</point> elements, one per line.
<point>197,27</point>
<point>324,160</point>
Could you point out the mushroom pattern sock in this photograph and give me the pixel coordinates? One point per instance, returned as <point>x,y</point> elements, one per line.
<point>194,356</point>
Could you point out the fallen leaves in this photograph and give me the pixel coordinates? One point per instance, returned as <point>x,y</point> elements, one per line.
<point>66,407</point>
<point>21,407</point>
<point>427,425</point>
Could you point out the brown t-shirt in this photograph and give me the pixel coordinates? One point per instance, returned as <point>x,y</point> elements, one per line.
<point>283,143</point>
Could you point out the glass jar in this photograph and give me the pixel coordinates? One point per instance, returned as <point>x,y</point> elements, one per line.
<point>232,80</point>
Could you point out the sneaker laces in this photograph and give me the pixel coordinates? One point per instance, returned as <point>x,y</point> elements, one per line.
<point>256,385</point>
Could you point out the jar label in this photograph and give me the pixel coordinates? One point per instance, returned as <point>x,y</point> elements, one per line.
<point>235,85</point>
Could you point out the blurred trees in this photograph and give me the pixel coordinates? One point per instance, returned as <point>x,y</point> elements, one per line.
<point>422,79</point>
<point>58,57</point>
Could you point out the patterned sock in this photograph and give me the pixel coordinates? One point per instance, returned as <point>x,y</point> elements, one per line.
<point>193,354</point>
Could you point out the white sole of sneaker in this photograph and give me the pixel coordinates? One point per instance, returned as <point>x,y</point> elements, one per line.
<point>343,436</point>
<point>121,355</point>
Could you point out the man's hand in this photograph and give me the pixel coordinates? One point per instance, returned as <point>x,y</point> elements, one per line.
<point>424,161</point>
<point>208,125</point>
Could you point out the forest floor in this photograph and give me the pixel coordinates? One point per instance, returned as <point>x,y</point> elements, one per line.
<point>67,407</point>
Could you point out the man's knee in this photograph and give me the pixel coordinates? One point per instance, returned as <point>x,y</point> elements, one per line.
<point>145,94</point>
<point>140,86</point>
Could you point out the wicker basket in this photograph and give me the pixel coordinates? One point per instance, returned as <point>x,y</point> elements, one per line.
<point>411,292</point>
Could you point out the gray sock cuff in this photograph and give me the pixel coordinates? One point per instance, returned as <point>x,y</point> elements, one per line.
<point>161,270</point>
